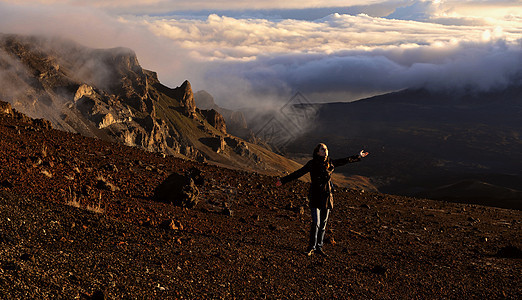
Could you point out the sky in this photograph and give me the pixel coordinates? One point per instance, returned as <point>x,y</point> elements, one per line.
<point>255,53</point>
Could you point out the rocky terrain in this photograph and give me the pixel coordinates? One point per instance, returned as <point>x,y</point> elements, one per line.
<point>78,221</point>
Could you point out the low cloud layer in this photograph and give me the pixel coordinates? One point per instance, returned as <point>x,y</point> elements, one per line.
<point>246,60</point>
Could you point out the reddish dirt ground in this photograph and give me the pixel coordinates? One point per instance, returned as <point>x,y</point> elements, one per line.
<point>66,234</point>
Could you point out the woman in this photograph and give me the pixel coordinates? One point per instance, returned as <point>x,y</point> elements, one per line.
<point>320,196</point>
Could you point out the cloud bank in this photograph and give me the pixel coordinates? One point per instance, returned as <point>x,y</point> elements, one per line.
<point>243,59</point>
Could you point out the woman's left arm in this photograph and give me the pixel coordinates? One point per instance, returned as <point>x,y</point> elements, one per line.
<point>350,159</point>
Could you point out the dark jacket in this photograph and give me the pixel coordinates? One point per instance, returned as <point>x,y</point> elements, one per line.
<point>320,192</point>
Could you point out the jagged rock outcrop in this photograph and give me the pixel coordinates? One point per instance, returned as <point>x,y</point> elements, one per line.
<point>215,119</point>
<point>187,99</point>
<point>235,120</point>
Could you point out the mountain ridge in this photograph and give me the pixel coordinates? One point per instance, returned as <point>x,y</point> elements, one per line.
<point>105,93</point>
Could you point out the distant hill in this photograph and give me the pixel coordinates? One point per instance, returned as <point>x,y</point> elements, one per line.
<point>422,141</point>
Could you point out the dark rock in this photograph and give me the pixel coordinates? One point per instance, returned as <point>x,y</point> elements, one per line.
<point>10,266</point>
<point>227,212</point>
<point>217,144</point>
<point>111,167</point>
<point>196,175</point>
<point>329,240</point>
<point>7,184</point>
<point>97,295</point>
<point>86,190</point>
<point>178,190</point>
<point>379,270</point>
<point>27,257</point>
<point>148,223</point>
<point>274,227</point>
<point>509,252</point>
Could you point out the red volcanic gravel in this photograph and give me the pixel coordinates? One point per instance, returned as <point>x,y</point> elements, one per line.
<point>77,221</point>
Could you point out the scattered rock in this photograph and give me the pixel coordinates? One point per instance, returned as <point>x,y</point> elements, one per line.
<point>47,173</point>
<point>274,227</point>
<point>103,184</point>
<point>148,223</point>
<point>509,252</point>
<point>171,225</point>
<point>27,257</point>
<point>97,295</point>
<point>196,175</point>
<point>330,240</point>
<point>227,212</point>
<point>473,220</point>
<point>110,167</point>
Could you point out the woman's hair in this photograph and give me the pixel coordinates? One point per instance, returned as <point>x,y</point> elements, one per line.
<point>316,150</point>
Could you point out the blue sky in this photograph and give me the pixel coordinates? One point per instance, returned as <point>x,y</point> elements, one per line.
<point>251,52</point>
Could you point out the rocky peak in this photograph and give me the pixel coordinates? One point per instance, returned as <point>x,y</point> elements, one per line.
<point>204,100</point>
<point>187,98</point>
<point>123,60</point>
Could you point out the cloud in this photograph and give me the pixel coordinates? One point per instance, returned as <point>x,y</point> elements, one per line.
<point>168,6</point>
<point>351,74</point>
<point>252,55</point>
<point>344,57</point>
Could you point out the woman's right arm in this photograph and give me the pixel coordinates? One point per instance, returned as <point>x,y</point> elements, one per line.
<point>296,174</point>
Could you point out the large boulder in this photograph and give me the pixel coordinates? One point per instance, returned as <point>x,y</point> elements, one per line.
<point>178,190</point>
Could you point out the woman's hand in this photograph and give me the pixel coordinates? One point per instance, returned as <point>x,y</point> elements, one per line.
<point>363,154</point>
<point>278,182</point>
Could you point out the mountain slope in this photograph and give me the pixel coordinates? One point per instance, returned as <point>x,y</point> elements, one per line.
<point>105,93</point>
